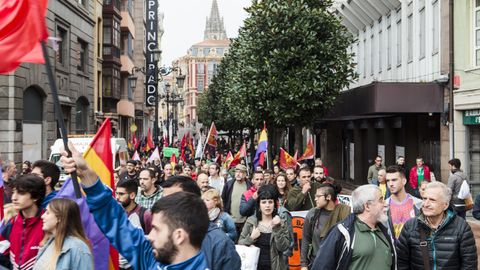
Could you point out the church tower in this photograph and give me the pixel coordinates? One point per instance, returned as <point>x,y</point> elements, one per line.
<point>215,28</point>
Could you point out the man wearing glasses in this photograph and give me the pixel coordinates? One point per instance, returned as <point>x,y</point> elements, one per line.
<point>360,241</point>
<point>373,170</point>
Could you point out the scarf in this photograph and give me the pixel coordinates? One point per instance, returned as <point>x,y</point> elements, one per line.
<point>214,213</point>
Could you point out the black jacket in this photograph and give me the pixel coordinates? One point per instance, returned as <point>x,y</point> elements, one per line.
<point>227,194</point>
<point>451,246</point>
<point>336,249</point>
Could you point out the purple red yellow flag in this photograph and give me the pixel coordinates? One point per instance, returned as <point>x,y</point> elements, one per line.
<point>99,158</point>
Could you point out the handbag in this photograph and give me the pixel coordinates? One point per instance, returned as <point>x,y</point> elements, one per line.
<point>249,256</point>
<point>464,190</point>
<point>468,203</point>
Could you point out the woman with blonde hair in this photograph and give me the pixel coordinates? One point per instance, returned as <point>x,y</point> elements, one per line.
<point>65,245</point>
<point>217,216</point>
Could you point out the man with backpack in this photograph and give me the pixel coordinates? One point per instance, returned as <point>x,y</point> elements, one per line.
<point>455,181</point>
<point>139,216</point>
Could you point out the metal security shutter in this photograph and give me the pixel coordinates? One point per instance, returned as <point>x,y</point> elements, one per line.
<point>474,176</point>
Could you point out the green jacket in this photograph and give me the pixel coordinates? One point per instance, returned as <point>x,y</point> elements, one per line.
<point>373,172</point>
<point>279,242</point>
<point>297,201</point>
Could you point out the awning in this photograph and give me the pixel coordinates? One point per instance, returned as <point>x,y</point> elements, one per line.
<point>126,108</point>
<point>382,98</point>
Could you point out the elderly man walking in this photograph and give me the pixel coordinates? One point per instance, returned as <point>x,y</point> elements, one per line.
<point>360,241</point>
<point>438,238</point>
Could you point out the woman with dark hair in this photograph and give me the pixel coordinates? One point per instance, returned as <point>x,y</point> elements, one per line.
<point>283,187</point>
<point>26,167</point>
<point>267,231</point>
<point>65,245</point>
<point>320,219</point>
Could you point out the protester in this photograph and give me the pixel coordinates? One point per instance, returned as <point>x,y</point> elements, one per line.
<point>139,216</point>
<point>218,248</point>
<point>292,177</point>
<point>215,180</point>
<point>232,195</point>
<point>267,231</point>
<point>319,220</point>
<point>319,175</point>
<point>148,193</point>
<point>438,238</point>
<point>418,173</point>
<point>65,245</point>
<point>319,163</point>
<point>131,173</point>
<point>283,187</point>
<point>116,177</point>
<point>401,205</point>
<point>382,183</point>
<point>9,173</point>
<point>268,176</point>
<point>247,202</point>
<point>217,216</point>
<point>24,231</point>
<point>374,169</point>
<point>187,170</point>
<point>50,174</point>
<point>178,169</point>
<point>179,224</point>
<point>167,171</point>
<point>202,182</point>
<point>302,197</point>
<point>455,181</point>
<point>360,241</point>
<point>26,167</point>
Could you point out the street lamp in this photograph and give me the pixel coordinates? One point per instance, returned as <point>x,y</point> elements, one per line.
<point>172,97</point>
<point>162,72</point>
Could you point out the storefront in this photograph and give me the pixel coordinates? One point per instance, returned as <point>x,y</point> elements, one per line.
<point>471,120</point>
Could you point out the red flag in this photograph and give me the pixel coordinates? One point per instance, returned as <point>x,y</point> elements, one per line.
<point>192,148</point>
<point>242,153</point>
<point>183,143</point>
<point>165,140</point>
<point>149,145</point>
<point>286,161</point>
<point>22,27</point>
<point>309,152</point>
<point>228,160</point>
<point>212,136</point>
<point>135,141</point>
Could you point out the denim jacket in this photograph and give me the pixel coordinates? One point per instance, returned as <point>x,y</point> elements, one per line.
<point>74,253</point>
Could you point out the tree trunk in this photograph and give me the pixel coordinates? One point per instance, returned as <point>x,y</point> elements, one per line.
<point>298,139</point>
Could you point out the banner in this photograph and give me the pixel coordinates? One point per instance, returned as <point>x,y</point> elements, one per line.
<point>168,151</point>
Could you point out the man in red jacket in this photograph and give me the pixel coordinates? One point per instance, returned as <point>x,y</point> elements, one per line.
<point>24,231</point>
<point>419,173</point>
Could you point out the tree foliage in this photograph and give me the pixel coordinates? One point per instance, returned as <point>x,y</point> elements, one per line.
<point>286,67</point>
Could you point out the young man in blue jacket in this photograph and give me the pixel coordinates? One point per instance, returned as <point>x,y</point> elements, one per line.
<point>179,224</point>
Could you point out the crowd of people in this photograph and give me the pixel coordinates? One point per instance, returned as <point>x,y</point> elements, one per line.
<point>191,216</point>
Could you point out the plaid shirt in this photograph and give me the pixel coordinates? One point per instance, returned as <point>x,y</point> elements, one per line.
<point>148,201</point>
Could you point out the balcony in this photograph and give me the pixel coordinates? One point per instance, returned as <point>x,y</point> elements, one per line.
<point>127,24</point>
<point>126,107</point>
<point>127,63</point>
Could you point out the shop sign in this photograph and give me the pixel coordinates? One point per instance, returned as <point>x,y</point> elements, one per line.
<point>471,117</point>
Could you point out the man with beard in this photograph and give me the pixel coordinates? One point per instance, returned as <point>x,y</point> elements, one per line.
<point>360,241</point>
<point>138,216</point>
<point>167,170</point>
<point>319,175</point>
<point>202,182</point>
<point>149,193</point>
<point>437,238</point>
<point>179,224</point>
<point>131,173</point>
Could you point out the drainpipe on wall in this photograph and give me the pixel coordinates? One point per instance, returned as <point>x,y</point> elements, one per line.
<point>451,82</point>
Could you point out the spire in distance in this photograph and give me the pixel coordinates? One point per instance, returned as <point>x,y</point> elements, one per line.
<point>215,28</point>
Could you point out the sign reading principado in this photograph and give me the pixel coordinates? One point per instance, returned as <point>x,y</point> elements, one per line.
<point>151,44</point>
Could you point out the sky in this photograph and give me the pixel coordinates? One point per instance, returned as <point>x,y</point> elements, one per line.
<point>184,23</point>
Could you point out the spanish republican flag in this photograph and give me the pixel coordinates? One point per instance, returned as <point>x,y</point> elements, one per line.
<point>286,161</point>
<point>309,152</point>
<point>242,153</point>
<point>99,157</point>
<point>261,148</point>
<point>22,28</point>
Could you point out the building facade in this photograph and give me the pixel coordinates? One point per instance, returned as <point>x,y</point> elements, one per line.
<point>199,66</point>
<point>402,62</point>
<point>28,123</point>
<point>467,90</point>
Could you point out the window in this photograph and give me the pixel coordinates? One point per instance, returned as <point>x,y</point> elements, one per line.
<point>62,53</point>
<point>111,37</point>
<point>380,50</point>
<point>82,2</point>
<point>81,115</point>
<point>206,51</point>
<point>107,83</point>
<point>194,51</point>
<point>212,70</point>
<point>373,53</point>
<point>83,56</point>
<point>422,38</point>
<point>389,47</point>
<point>476,28</point>
<point>399,42</point>
<point>200,83</point>
<point>219,51</point>
<point>435,27</point>
<point>200,68</point>
<point>410,37</point>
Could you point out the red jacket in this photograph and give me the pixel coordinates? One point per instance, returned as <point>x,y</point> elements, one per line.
<point>414,176</point>
<point>248,194</point>
<point>25,236</point>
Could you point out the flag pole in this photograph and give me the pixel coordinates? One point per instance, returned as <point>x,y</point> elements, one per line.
<point>206,141</point>
<point>59,115</point>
